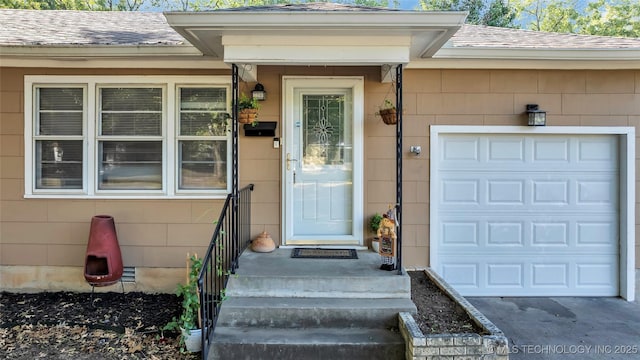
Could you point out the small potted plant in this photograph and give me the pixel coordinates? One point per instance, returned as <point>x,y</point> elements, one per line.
<point>247,110</point>
<point>374,225</point>
<point>388,112</point>
<point>189,322</point>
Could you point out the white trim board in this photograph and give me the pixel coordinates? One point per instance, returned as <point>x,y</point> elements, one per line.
<point>627,185</point>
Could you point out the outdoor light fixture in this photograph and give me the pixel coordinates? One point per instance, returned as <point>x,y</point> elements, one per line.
<point>536,116</point>
<point>258,93</point>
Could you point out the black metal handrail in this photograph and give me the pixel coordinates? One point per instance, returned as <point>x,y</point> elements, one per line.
<point>230,238</point>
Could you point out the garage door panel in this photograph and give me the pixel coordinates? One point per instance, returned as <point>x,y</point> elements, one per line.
<point>506,149</point>
<point>597,232</point>
<point>535,275</point>
<point>554,152</point>
<point>594,274</point>
<point>505,275</point>
<point>528,214</point>
<point>597,150</point>
<point>550,150</point>
<point>460,149</point>
<point>582,192</point>
<point>460,191</point>
<point>501,192</point>
<point>578,234</point>
<point>549,275</point>
<point>460,233</point>
<point>500,233</point>
<point>547,192</point>
<point>600,192</point>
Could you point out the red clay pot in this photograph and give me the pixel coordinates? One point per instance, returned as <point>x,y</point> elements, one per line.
<point>103,262</point>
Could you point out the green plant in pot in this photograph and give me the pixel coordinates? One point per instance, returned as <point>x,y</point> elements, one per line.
<point>189,322</point>
<point>247,110</point>
<point>374,225</point>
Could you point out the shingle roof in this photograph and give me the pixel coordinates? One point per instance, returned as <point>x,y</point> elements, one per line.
<point>65,28</point>
<point>475,36</point>
<point>89,28</point>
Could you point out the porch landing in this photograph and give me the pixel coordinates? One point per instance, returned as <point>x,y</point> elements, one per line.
<point>283,308</point>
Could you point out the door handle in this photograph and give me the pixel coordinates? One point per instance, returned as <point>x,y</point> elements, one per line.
<point>289,160</point>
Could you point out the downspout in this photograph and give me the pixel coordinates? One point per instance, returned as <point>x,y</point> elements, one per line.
<point>399,167</point>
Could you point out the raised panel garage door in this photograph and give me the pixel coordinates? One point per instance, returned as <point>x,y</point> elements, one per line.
<point>528,215</point>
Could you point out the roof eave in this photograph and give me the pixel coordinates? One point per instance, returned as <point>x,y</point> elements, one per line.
<point>542,59</point>
<point>94,51</point>
<point>108,56</point>
<point>608,54</point>
<point>426,31</point>
<point>320,19</point>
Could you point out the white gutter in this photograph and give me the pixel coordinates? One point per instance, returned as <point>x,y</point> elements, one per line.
<point>523,64</point>
<point>91,51</point>
<point>608,54</point>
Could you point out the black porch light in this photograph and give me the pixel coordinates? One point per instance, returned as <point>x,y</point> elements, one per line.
<point>258,93</point>
<point>536,116</point>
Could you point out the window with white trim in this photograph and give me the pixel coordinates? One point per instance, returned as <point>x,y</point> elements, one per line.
<point>127,136</point>
<point>58,137</point>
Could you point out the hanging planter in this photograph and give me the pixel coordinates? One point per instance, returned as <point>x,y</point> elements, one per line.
<point>247,110</point>
<point>388,113</point>
<point>247,116</point>
<point>389,116</point>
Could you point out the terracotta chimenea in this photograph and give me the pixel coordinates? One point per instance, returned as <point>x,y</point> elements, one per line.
<point>103,262</point>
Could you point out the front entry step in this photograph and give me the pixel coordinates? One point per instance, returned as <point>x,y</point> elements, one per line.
<point>283,308</point>
<point>309,344</point>
<point>277,312</point>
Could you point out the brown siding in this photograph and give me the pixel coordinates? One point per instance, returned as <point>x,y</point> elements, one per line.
<point>155,233</point>
<point>152,233</point>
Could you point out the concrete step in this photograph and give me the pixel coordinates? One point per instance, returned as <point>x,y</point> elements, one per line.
<point>372,287</point>
<point>256,343</point>
<point>313,312</point>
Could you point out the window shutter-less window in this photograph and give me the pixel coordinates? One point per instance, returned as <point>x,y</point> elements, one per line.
<point>59,138</point>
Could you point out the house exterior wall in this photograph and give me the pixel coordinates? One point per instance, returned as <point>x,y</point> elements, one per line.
<point>43,241</point>
<point>154,234</point>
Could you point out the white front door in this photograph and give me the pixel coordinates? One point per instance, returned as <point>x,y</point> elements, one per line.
<point>322,168</point>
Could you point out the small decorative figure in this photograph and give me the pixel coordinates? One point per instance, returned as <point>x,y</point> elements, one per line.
<point>387,234</point>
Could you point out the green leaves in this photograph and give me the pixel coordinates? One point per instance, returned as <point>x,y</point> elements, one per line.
<point>611,18</point>
<point>190,299</point>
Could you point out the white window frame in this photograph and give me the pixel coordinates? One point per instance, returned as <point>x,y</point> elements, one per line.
<point>177,138</point>
<point>30,146</point>
<point>91,86</point>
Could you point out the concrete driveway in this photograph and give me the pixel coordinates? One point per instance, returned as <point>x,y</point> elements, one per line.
<point>566,328</point>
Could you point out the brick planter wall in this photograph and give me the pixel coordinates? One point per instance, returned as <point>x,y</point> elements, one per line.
<point>493,346</point>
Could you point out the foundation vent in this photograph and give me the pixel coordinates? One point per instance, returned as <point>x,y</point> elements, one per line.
<point>129,274</point>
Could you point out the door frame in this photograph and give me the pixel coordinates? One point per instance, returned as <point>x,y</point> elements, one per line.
<point>356,84</point>
<point>626,159</point>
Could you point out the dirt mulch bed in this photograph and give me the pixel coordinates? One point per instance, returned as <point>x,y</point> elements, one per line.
<point>437,312</point>
<point>69,326</point>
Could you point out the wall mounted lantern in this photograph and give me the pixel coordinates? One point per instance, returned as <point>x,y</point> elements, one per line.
<point>259,93</point>
<point>536,116</point>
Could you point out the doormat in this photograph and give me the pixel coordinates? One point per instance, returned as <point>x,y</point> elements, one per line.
<point>305,253</point>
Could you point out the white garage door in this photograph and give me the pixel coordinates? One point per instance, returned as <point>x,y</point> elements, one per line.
<point>528,215</point>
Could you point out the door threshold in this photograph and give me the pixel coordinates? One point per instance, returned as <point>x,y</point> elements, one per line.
<point>356,247</point>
